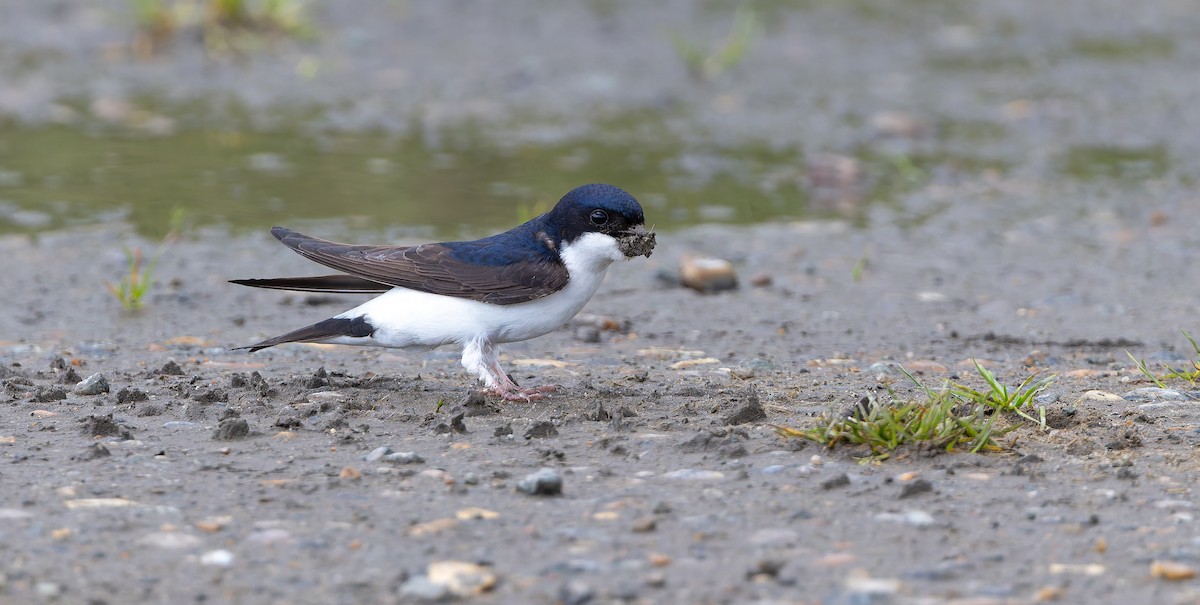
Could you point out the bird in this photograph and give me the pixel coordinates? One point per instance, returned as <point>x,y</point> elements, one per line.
<point>480,294</point>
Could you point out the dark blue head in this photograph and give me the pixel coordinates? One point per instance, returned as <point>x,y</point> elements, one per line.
<point>595,208</point>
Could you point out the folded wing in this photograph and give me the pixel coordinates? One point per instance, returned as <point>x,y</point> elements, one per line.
<point>429,268</point>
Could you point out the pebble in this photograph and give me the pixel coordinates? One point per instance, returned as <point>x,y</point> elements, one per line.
<point>68,377</point>
<point>544,482</point>
<point>170,540</point>
<point>420,588</point>
<point>1105,396</point>
<point>689,474</point>
<point>461,578</point>
<point>231,429</point>
<point>102,426</point>
<point>92,385</point>
<point>589,334</point>
<point>707,275</point>
<point>876,587</point>
<point>404,458</point>
<point>841,480</point>
<point>541,429</point>
<point>377,453</point>
<point>575,592</point>
<point>47,394</point>
<point>915,488</point>
<point>1154,394</point>
<point>218,558</point>
<point>171,368</point>
<point>750,411</point>
<point>916,518</point>
<point>1172,570</point>
<point>128,395</point>
<point>48,590</point>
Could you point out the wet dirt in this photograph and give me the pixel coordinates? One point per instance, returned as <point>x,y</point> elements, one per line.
<point>211,474</point>
<point>320,474</point>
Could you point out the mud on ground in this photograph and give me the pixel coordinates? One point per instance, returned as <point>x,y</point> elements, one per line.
<point>210,474</point>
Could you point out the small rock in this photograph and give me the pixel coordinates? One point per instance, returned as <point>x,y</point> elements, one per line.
<point>150,409</point>
<point>288,421</point>
<point>751,411</point>
<point>378,453</point>
<point>92,385</point>
<point>171,540</point>
<point>742,372</point>
<point>171,369</point>
<point>207,396</point>
<point>707,275</point>
<point>47,394</point>
<point>420,588</point>
<point>217,558</point>
<point>403,458</point>
<point>1154,394</point>
<point>690,474</point>
<point>477,404</point>
<point>231,429</point>
<point>102,426</point>
<point>587,334</point>
<point>1172,570</point>
<point>841,480</point>
<point>128,395</point>
<point>68,377</point>
<point>544,482</point>
<point>456,423</point>
<point>762,280</point>
<point>541,429</point>
<point>916,518</point>
<point>1103,396</point>
<point>461,578</point>
<point>503,430</point>
<point>575,592</point>
<point>915,488</point>
<point>49,591</point>
<point>643,525</point>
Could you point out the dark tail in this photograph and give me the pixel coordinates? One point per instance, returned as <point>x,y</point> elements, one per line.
<point>342,284</point>
<point>322,330</point>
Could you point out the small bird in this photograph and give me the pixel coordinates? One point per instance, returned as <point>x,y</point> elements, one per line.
<point>509,287</point>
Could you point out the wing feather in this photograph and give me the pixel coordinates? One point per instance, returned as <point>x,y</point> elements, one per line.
<point>433,268</point>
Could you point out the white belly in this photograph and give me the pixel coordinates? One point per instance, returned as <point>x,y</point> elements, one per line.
<point>406,318</point>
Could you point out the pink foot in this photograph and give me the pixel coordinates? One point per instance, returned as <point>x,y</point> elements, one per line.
<point>516,393</point>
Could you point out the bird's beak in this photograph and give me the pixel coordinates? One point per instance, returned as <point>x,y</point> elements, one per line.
<point>636,242</point>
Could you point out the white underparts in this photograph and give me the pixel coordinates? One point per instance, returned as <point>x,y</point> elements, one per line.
<point>410,319</point>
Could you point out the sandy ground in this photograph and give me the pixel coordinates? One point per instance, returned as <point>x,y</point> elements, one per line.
<point>307,474</point>
<point>663,500</point>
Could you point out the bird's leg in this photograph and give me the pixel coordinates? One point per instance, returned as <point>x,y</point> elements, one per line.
<point>483,358</point>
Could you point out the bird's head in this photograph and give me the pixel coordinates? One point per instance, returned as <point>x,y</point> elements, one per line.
<point>595,211</point>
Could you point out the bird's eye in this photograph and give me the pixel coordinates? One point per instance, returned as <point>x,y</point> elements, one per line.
<point>599,217</point>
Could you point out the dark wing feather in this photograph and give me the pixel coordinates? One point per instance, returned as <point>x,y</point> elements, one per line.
<point>433,268</point>
<point>340,284</point>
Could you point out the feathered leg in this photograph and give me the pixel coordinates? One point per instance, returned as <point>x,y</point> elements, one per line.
<point>482,358</point>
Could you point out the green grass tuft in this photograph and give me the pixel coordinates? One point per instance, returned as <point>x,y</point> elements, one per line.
<point>704,64</point>
<point>1192,376</point>
<point>950,418</point>
<point>136,282</point>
